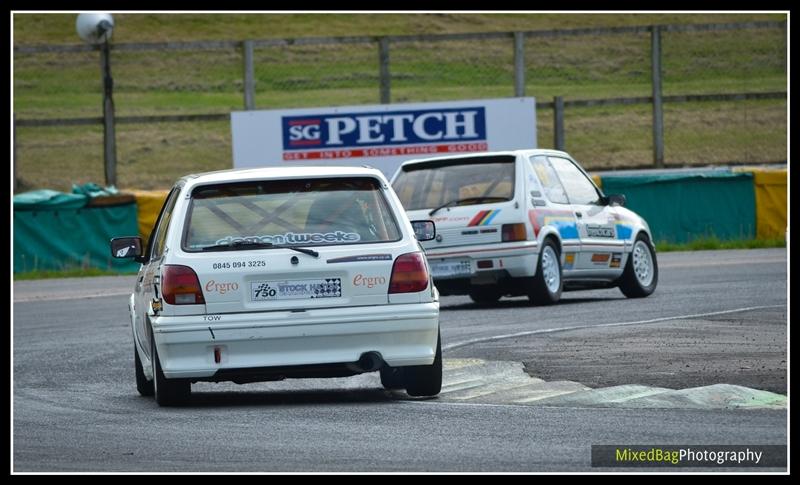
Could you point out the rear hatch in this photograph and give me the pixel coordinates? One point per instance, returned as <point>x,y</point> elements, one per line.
<point>238,239</point>
<point>469,198</point>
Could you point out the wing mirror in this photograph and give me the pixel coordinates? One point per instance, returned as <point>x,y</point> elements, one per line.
<point>127,247</point>
<point>424,230</point>
<point>615,199</point>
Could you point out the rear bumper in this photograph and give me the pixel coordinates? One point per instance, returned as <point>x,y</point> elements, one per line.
<point>516,260</point>
<point>404,334</point>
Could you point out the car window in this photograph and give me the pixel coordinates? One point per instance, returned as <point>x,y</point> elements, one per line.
<point>471,180</point>
<point>160,232</point>
<point>302,212</point>
<point>580,189</point>
<point>550,183</point>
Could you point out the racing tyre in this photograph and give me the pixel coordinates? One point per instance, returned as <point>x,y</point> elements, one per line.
<point>392,378</point>
<point>640,277</point>
<point>425,380</point>
<point>487,296</point>
<point>545,288</point>
<point>168,392</point>
<point>144,386</point>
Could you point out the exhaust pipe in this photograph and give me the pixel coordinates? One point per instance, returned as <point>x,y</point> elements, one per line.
<point>369,361</point>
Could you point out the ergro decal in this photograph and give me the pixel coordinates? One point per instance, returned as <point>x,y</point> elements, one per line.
<point>368,281</point>
<point>222,287</point>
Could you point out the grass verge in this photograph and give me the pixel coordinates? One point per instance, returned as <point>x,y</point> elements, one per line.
<point>69,273</point>
<point>714,243</point>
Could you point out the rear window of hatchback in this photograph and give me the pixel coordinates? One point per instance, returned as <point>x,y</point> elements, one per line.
<point>294,212</point>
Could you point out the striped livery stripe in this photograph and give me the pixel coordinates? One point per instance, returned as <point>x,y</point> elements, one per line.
<point>483,218</point>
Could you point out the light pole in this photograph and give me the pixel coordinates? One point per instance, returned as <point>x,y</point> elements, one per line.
<point>96,29</point>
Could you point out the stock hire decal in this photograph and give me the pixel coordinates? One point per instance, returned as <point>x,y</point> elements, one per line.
<point>396,133</point>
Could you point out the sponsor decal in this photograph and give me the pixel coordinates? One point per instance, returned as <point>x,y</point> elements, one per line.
<point>599,231</point>
<point>362,257</point>
<point>439,219</point>
<point>295,238</point>
<point>222,287</point>
<point>368,281</point>
<point>616,259</point>
<point>569,260</point>
<point>600,258</point>
<point>483,218</point>
<point>295,289</point>
<point>384,134</point>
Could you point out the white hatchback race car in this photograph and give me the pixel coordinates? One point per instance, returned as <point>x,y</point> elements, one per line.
<point>265,274</point>
<point>527,222</point>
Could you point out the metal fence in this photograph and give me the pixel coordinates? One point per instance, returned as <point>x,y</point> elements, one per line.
<point>622,97</point>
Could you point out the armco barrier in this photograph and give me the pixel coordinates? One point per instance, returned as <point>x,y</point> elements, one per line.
<point>149,204</point>
<point>60,239</point>
<point>681,207</point>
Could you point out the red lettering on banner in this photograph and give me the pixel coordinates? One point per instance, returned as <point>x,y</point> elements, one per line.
<point>386,151</point>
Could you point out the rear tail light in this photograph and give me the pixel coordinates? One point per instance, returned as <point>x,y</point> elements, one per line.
<point>180,286</point>
<point>514,232</point>
<point>409,274</point>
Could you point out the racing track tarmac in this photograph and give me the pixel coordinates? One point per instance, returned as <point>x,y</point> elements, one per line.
<point>76,408</point>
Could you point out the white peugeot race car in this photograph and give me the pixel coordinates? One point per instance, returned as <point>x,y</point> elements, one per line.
<point>526,222</point>
<point>264,274</point>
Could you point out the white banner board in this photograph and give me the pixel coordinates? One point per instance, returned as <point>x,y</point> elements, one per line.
<point>382,136</point>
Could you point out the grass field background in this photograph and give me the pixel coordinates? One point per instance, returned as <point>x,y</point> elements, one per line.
<point>68,85</point>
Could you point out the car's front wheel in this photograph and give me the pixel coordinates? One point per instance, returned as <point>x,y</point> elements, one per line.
<point>168,392</point>
<point>640,277</point>
<point>425,380</point>
<point>144,386</point>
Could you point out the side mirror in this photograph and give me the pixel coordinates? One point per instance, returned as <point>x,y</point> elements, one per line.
<point>127,247</point>
<point>616,199</point>
<point>424,230</point>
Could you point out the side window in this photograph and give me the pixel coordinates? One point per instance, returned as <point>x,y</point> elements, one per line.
<point>547,176</point>
<point>159,237</point>
<point>580,189</point>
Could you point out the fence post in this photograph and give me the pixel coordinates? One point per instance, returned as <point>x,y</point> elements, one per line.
<point>109,129</point>
<point>558,122</point>
<point>385,75</point>
<point>249,76</point>
<point>15,152</point>
<point>519,64</point>
<point>658,113</point>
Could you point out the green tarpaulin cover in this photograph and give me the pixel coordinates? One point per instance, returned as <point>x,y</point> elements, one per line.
<point>686,206</point>
<point>54,231</point>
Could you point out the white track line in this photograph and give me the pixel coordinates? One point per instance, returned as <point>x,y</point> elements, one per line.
<point>615,324</point>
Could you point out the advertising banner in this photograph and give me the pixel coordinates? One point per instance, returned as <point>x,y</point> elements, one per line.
<point>382,136</point>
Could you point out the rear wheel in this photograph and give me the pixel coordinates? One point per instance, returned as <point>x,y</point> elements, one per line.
<point>144,386</point>
<point>546,286</point>
<point>425,380</point>
<point>484,296</point>
<point>168,392</point>
<point>640,277</point>
<point>392,378</point>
